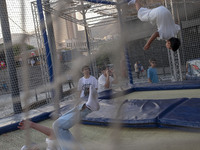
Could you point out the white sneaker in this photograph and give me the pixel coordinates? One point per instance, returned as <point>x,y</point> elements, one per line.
<point>32,146</point>
<point>92,102</point>
<point>131,2</point>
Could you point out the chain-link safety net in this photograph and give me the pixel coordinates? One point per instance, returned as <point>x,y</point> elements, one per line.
<point>45,43</point>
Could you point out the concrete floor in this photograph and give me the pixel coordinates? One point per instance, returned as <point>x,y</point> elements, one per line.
<point>107,138</point>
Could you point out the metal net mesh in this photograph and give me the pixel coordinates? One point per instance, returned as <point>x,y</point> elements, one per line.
<point>44,44</point>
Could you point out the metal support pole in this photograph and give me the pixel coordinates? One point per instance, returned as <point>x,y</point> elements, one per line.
<point>172,9</point>
<point>174,57</point>
<point>185,10</point>
<point>10,57</point>
<point>181,39</point>
<point>166,3</point>
<point>57,92</point>
<point>87,37</point>
<point>170,62</point>
<point>130,75</point>
<point>51,37</point>
<point>43,66</point>
<point>43,30</point>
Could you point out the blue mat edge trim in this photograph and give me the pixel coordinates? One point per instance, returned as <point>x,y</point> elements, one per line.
<point>13,126</point>
<point>155,87</point>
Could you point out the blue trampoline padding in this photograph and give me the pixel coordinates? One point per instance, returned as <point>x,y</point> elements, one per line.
<point>169,113</point>
<point>186,114</point>
<point>187,84</point>
<point>102,2</point>
<point>132,113</point>
<point>105,93</point>
<point>10,124</point>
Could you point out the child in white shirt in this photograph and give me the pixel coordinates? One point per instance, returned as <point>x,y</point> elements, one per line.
<point>161,16</point>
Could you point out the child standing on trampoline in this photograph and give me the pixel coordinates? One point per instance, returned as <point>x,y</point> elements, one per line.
<point>161,16</point>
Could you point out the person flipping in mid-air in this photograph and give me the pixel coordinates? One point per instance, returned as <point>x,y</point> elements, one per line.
<point>161,16</point>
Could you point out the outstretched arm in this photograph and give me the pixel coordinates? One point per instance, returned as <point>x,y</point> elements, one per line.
<point>25,124</point>
<point>151,39</point>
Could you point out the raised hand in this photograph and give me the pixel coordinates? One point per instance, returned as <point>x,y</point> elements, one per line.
<point>107,73</point>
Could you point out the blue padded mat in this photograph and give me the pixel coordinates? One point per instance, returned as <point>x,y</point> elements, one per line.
<point>169,113</point>
<point>186,114</point>
<point>10,123</point>
<point>132,113</point>
<point>102,2</point>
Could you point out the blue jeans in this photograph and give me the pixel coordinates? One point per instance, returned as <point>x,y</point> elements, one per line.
<point>62,125</point>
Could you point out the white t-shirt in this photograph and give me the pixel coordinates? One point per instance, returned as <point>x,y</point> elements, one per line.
<point>162,17</point>
<point>84,85</point>
<point>102,82</point>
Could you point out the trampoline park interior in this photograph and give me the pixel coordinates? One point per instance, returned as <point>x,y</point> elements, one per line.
<point>63,35</point>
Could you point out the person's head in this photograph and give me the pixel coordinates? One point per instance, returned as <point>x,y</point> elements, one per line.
<point>105,69</point>
<point>86,70</point>
<point>173,43</point>
<point>152,62</point>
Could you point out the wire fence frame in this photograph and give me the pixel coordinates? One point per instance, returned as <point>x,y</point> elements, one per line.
<point>43,60</point>
<point>46,79</point>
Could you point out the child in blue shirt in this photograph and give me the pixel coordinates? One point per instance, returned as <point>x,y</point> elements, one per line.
<point>152,72</point>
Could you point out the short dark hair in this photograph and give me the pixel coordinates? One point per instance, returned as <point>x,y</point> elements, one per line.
<point>103,67</point>
<point>84,67</point>
<point>175,43</point>
<point>152,59</point>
